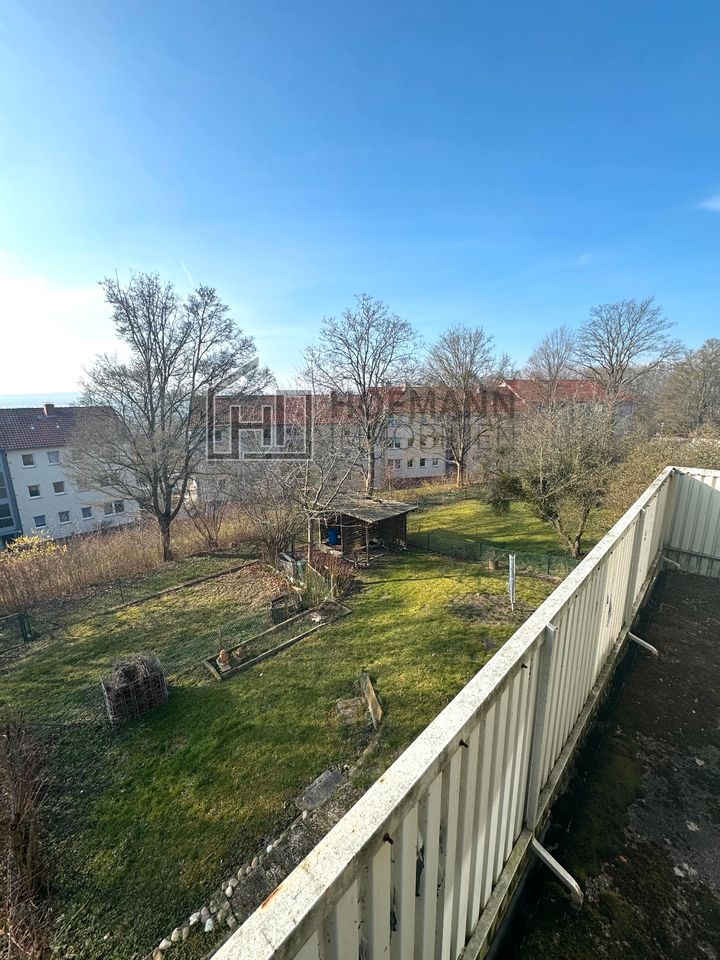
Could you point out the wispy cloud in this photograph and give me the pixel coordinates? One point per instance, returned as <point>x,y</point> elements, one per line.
<point>187,272</point>
<point>712,203</point>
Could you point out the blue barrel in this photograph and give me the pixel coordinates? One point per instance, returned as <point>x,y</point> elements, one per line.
<point>333,536</point>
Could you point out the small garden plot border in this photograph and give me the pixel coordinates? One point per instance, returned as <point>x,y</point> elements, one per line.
<point>211,664</point>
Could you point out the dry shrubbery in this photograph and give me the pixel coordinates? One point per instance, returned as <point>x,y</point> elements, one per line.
<point>24,871</point>
<point>648,457</point>
<point>36,569</point>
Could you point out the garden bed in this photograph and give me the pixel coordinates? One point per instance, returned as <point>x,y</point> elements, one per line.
<point>273,640</point>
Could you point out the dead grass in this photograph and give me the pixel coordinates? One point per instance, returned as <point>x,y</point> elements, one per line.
<point>40,570</point>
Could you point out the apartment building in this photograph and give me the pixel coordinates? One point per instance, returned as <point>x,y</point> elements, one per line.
<point>37,492</point>
<point>417,446</point>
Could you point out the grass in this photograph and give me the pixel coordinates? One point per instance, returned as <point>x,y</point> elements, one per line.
<point>138,588</point>
<point>470,521</point>
<point>144,823</point>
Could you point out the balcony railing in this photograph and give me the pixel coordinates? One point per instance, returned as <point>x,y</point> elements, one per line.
<point>424,864</point>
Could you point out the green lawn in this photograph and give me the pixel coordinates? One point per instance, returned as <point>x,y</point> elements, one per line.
<point>470,521</point>
<point>144,823</point>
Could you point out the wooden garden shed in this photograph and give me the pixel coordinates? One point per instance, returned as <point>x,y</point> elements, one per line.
<point>354,524</point>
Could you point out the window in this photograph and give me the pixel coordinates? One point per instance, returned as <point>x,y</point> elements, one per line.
<point>422,461</point>
<point>119,506</point>
<point>59,486</point>
<point>108,509</point>
<point>64,516</point>
<point>86,513</point>
<point>34,490</point>
<point>410,463</point>
<point>39,521</point>
<point>436,461</point>
<point>6,517</point>
<point>3,487</point>
<point>411,442</point>
<point>218,435</point>
<point>396,443</point>
<point>53,456</point>
<point>28,459</point>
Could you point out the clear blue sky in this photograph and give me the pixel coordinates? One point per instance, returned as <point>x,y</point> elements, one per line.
<point>508,164</point>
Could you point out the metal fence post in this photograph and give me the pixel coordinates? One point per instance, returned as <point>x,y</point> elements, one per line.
<point>545,655</point>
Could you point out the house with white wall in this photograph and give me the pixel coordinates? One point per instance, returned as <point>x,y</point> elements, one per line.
<point>37,491</point>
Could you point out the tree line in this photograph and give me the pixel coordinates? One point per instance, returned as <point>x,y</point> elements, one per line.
<point>147,439</point>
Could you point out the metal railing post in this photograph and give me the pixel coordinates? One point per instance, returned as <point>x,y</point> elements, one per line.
<point>545,655</point>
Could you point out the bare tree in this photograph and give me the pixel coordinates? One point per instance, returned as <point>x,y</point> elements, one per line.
<point>357,359</point>
<point>274,521</point>
<point>564,457</point>
<point>551,360</point>
<point>281,494</point>
<point>620,342</point>
<point>691,395</point>
<point>315,484</point>
<point>207,506</point>
<point>150,435</point>
<point>459,366</point>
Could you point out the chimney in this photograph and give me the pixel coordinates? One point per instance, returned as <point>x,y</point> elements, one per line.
<point>49,409</point>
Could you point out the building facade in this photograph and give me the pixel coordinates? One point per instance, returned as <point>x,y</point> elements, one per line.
<point>38,494</point>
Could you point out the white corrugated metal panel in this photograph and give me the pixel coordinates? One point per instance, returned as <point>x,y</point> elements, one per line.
<point>694,535</point>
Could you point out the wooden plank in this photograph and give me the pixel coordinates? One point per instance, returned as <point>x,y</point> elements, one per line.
<point>372,700</point>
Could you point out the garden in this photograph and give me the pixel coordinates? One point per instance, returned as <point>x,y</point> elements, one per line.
<point>140,822</point>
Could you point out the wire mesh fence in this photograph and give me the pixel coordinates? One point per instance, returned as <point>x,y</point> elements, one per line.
<point>494,553</point>
<point>15,629</point>
<point>436,495</point>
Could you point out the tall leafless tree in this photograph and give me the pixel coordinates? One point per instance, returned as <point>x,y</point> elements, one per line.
<point>690,398</point>
<point>551,360</point>
<point>460,367</point>
<point>620,342</point>
<point>358,358</point>
<point>149,436</point>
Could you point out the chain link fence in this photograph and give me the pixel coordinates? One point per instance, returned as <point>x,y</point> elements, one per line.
<point>494,553</point>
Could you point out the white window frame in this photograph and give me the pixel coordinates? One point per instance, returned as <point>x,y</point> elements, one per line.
<point>26,466</point>
<point>83,515</point>
<point>60,517</point>
<point>55,454</point>
<point>34,496</point>
<point>59,493</point>
<point>40,526</point>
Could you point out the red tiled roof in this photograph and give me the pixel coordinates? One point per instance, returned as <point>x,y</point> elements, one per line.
<point>25,428</point>
<point>536,391</point>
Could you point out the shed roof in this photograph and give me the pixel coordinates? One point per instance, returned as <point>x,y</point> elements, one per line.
<point>369,509</point>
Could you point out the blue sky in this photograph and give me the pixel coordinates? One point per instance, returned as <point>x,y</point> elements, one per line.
<point>505,164</point>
